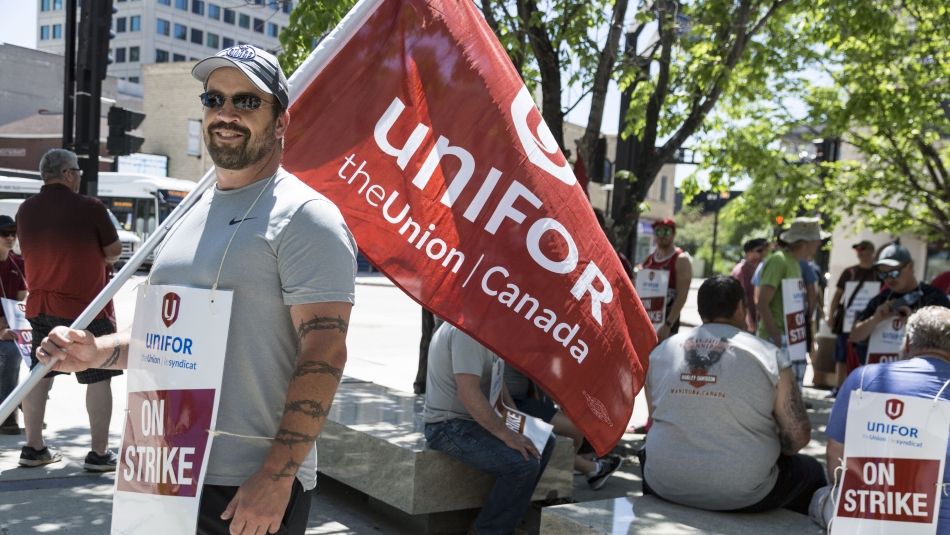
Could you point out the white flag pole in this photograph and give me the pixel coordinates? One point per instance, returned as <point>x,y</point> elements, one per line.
<point>120,278</point>
<point>302,77</point>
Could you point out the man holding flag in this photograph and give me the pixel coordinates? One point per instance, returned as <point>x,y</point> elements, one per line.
<point>285,252</point>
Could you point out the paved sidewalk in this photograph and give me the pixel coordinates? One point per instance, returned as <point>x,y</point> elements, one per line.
<point>383,347</point>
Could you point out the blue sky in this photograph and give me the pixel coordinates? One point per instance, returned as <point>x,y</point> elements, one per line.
<point>18,23</point>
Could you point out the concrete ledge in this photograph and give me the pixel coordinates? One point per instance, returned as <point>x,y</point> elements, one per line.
<point>648,514</point>
<point>373,442</point>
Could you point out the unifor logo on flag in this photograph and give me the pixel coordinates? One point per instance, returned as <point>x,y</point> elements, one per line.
<point>415,123</point>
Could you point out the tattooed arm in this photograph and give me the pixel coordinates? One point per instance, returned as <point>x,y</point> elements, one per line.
<point>794,427</point>
<point>75,351</point>
<point>321,333</point>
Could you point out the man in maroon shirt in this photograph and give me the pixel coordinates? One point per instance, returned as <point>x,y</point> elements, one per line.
<point>70,244</point>
<point>754,249</point>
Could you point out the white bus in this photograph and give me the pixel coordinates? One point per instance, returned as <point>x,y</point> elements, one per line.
<point>139,202</point>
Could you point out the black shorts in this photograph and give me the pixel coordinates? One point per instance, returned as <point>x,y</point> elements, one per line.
<point>215,499</point>
<point>43,324</point>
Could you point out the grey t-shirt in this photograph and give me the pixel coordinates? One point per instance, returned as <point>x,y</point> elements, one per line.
<point>714,441</point>
<point>293,247</point>
<point>450,352</point>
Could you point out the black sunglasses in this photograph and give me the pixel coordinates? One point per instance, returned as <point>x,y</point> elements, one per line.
<point>891,274</point>
<point>8,233</point>
<point>243,102</point>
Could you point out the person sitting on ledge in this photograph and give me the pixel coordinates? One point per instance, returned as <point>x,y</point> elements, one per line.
<point>460,422</point>
<point>728,418</point>
<point>924,372</point>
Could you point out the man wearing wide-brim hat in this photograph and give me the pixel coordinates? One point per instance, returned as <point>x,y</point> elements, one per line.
<point>803,237</point>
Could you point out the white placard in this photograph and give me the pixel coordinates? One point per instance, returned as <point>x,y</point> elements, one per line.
<point>886,340</point>
<point>176,361</point>
<point>859,303</point>
<point>793,310</point>
<point>15,313</point>
<point>652,286</point>
<point>894,452</point>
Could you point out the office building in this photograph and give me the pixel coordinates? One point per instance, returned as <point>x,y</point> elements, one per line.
<point>163,31</point>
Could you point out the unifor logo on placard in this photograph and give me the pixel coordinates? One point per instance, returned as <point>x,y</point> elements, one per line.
<point>894,408</point>
<point>171,304</point>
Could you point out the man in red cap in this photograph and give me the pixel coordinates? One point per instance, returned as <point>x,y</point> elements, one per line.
<point>668,257</point>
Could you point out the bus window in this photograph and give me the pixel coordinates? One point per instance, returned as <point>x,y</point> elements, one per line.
<point>123,210</point>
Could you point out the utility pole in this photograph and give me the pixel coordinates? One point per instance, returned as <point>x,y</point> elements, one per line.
<point>69,74</point>
<point>95,28</point>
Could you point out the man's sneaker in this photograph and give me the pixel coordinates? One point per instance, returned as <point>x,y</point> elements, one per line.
<point>608,465</point>
<point>100,463</point>
<point>30,457</point>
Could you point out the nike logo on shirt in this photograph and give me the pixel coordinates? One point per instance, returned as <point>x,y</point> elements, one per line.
<point>236,221</point>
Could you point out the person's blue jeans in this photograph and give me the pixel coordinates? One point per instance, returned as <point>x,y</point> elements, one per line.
<point>515,478</point>
<point>9,367</point>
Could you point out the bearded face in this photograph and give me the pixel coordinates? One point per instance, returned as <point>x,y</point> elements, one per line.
<point>243,150</point>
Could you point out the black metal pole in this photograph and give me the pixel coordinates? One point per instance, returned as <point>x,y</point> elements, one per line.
<point>69,75</point>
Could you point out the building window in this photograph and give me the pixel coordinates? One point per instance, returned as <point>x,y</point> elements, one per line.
<point>288,6</point>
<point>198,7</point>
<point>57,5</point>
<point>181,4</point>
<point>228,16</point>
<point>161,56</point>
<point>663,188</point>
<point>57,31</point>
<point>181,32</point>
<point>135,23</point>
<point>214,11</point>
<point>162,27</point>
<point>271,29</point>
<point>179,57</point>
<point>227,42</point>
<point>134,79</point>
<point>44,5</point>
<point>133,53</point>
<point>212,40</point>
<point>165,2</point>
<point>119,55</point>
<point>197,36</point>
<point>258,25</point>
<point>244,21</point>
<point>120,25</point>
<point>44,33</point>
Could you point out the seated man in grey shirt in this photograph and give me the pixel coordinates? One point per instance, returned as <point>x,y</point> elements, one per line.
<point>728,419</point>
<point>460,422</point>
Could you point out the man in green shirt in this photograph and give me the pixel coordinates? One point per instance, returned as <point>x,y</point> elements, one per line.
<point>802,240</point>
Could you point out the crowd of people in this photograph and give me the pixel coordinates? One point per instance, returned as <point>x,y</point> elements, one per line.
<point>728,420</point>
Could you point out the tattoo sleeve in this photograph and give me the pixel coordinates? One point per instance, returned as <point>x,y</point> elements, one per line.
<point>288,470</point>
<point>319,323</point>
<point>114,356</point>
<point>311,408</point>
<point>796,408</point>
<point>318,367</point>
<point>291,438</point>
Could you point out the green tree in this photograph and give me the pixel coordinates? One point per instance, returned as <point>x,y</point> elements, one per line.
<point>883,89</point>
<point>728,53</point>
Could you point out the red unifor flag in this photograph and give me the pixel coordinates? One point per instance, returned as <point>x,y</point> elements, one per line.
<point>412,119</point>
